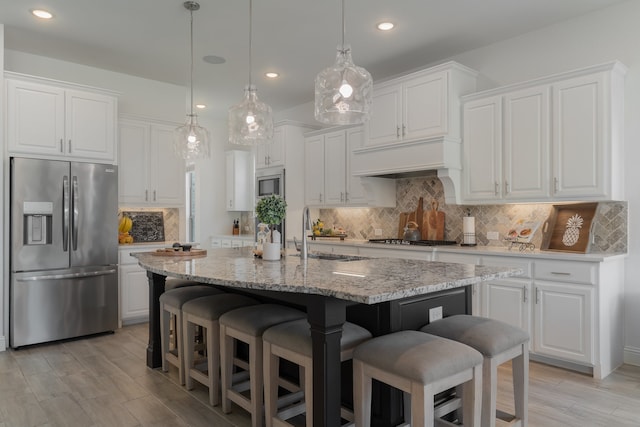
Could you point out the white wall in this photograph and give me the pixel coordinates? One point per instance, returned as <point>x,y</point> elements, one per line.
<point>139,96</point>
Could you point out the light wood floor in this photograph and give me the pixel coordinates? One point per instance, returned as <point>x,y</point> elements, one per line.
<point>103,381</point>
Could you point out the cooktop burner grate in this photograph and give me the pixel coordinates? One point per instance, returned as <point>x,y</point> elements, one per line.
<point>393,241</point>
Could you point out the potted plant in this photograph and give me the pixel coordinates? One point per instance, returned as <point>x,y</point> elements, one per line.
<point>271,210</point>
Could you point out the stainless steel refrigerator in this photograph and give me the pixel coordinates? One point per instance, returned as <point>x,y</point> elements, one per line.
<point>64,250</point>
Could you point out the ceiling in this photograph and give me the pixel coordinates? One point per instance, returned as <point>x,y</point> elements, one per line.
<point>297,38</point>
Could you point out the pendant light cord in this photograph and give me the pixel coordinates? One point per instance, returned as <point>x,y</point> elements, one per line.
<point>191,70</point>
<point>343,25</point>
<point>250,37</point>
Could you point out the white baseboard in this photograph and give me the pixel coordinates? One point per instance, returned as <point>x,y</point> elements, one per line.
<point>632,356</point>
<point>3,343</point>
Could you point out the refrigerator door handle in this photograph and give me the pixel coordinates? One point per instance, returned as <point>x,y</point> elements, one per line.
<point>67,276</point>
<point>65,213</point>
<point>74,220</point>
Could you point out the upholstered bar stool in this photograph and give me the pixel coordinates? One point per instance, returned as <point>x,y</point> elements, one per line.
<point>498,342</point>
<point>421,365</point>
<point>171,308</point>
<point>247,325</point>
<point>292,341</point>
<point>205,312</point>
<point>174,283</point>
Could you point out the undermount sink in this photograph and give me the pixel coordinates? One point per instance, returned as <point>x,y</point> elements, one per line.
<point>333,257</point>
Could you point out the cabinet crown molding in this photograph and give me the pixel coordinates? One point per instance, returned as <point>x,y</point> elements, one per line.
<point>59,83</point>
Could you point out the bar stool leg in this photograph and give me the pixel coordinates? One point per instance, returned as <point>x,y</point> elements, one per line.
<point>226,350</point>
<point>164,335</point>
<point>471,392</point>
<point>520,368</point>
<point>271,375</point>
<point>188,329</point>
<point>421,405</point>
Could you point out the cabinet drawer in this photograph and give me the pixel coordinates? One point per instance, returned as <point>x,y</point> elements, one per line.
<point>123,254</point>
<point>492,261</point>
<point>566,271</point>
<point>458,258</point>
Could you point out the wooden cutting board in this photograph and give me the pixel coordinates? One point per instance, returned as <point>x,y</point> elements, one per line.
<point>404,218</point>
<point>193,253</point>
<point>433,223</point>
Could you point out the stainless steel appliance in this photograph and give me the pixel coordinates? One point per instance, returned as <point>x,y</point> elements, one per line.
<point>64,250</point>
<point>268,182</point>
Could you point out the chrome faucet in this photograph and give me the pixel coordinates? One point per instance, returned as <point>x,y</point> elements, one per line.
<point>306,225</point>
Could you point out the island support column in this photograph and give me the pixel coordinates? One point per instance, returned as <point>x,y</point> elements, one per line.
<point>326,316</point>
<point>154,348</point>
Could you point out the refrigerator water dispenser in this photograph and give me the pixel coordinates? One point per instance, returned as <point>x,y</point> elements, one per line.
<point>38,218</point>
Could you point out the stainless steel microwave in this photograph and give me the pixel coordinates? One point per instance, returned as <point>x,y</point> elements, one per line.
<point>269,181</point>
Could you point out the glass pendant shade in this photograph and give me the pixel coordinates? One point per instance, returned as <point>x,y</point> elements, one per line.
<point>343,92</point>
<point>191,141</point>
<point>250,121</point>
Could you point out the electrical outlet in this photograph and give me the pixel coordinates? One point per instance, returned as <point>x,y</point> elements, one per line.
<point>435,314</point>
<point>377,231</point>
<point>493,235</point>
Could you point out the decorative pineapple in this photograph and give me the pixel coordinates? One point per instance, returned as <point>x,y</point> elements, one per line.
<point>572,233</point>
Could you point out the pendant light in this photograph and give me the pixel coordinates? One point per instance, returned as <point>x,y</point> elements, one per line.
<point>344,90</point>
<point>191,141</point>
<point>251,120</point>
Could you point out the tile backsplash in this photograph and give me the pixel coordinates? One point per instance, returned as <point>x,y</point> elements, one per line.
<point>171,219</point>
<point>609,228</point>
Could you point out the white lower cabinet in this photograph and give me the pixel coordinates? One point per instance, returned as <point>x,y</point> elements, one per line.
<point>572,310</point>
<point>134,286</point>
<point>563,321</point>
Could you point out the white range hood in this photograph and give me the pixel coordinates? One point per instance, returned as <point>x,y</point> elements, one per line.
<point>440,155</point>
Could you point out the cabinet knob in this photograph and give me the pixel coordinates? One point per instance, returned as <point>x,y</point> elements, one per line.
<point>404,128</point>
<point>230,203</point>
<point>61,145</point>
<point>146,195</point>
<point>154,195</point>
<point>555,185</point>
<point>526,295</point>
<point>341,196</point>
<point>398,131</point>
<point>537,296</point>
<point>320,197</point>
<point>495,188</point>
<point>346,196</point>
<point>507,190</point>
<point>69,146</point>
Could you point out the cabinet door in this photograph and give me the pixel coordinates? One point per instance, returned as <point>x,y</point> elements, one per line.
<point>425,107</point>
<point>385,124</point>
<point>526,144</point>
<point>564,321</point>
<point>335,168</point>
<point>133,157</point>
<point>167,171</point>
<point>314,170</point>
<point>262,153</point>
<point>35,119</point>
<point>276,154</point>
<point>482,145</point>
<point>134,293</point>
<point>355,193</point>
<point>239,181</point>
<point>507,301</point>
<point>90,125</point>
<point>579,153</point>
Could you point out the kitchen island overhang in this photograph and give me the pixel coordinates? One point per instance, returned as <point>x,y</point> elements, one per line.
<point>324,287</point>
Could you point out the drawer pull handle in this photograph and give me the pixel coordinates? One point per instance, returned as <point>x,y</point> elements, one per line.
<point>560,273</point>
<point>526,295</point>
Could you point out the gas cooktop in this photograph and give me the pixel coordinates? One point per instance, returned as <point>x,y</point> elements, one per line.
<point>394,241</point>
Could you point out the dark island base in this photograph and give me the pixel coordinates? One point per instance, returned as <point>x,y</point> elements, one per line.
<point>326,316</point>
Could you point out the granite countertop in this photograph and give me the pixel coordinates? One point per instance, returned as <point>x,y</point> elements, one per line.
<point>365,280</point>
<point>480,250</point>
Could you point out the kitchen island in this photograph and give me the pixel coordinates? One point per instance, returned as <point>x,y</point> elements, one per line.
<point>324,287</point>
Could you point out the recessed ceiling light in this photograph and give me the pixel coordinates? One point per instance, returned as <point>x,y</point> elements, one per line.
<point>41,13</point>
<point>201,106</point>
<point>213,59</point>
<point>385,26</point>
<point>272,74</point>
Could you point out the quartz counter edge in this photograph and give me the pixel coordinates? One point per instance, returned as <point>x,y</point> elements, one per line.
<point>367,281</point>
<point>479,250</point>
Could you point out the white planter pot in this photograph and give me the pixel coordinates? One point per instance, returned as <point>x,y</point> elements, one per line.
<point>271,251</point>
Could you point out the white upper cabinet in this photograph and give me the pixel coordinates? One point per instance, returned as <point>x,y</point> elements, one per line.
<point>419,106</point>
<point>49,121</point>
<point>240,193</point>
<point>328,179</point>
<point>150,174</point>
<point>552,139</point>
<point>271,154</point>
